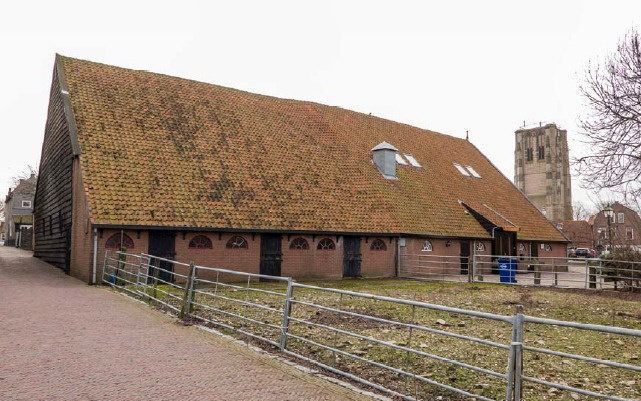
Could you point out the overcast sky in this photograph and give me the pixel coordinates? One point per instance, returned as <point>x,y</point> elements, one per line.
<point>450,66</point>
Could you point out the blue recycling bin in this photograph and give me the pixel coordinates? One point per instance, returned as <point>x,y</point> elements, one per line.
<point>507,270</point>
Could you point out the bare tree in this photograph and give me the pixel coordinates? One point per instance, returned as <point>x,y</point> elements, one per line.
<point>580,211</point>
<point>23,174</point>
<point>612,124</point>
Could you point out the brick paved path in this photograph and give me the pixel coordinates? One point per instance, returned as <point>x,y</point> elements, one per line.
<point>63,340</point>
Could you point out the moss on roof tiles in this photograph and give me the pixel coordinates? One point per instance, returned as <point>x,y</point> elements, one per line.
<point>166,151</point>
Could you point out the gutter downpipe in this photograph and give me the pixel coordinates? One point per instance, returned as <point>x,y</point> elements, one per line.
<point>95,255</point>
<point>397,266</point>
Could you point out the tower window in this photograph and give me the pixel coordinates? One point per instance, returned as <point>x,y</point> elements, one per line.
<point>529,154</point>
<point>541,152</point>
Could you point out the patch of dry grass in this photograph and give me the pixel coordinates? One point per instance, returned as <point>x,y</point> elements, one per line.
<point>586,307</point>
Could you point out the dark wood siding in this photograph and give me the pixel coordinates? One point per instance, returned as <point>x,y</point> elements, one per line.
<point>52,203</point>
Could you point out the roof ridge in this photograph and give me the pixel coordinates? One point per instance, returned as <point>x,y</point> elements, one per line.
<point>299,101</point>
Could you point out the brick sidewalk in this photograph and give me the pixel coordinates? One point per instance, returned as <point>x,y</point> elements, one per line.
<point>63,340</point>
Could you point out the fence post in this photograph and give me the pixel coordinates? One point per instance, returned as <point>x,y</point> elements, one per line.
<point>155,275</point>
<point>138,273</point>
<point>104,266</point>
<point>517,343</point>
<point>537,275</point>
<point>189,283</point>
<point>286,310</point>
<point>473,267</point>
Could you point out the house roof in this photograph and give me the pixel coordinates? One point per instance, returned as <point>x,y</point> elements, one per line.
<point>163,151</point>
<point>577,231</point>
<point>26,186</point>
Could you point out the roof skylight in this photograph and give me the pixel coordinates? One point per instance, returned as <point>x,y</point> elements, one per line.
<point>473,172</point>
<point>400,160</point>
<point>412,160</point>
<point>462,170</point>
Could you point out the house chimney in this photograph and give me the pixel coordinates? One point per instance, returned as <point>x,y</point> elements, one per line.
<point>384,157</point>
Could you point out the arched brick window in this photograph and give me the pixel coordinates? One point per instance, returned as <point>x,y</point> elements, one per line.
<point>113,242</point>
<point>326,244</point>
<point>299,243</point>
<point>427,246</point>
<point>378,245</point>
<point>200,242</point>
<point>480,247</point>
<point>237,242</point>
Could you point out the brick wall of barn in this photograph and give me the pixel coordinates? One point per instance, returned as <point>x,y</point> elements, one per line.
<point>444,256</point>
<point>240,259</point>
<point>299,263</point>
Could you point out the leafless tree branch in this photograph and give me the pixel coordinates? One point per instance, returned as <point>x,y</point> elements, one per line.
<point>612,125</point>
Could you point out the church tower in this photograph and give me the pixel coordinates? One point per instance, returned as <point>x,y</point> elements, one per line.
<point>542,169</point>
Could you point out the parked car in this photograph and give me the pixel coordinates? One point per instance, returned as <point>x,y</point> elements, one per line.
<point>582,253</point>
<point>571,253</point>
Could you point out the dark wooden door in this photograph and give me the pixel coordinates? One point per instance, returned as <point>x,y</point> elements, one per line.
<point>465,256</point>
<point>352,257</point>
<point>163,245</point>
<point>504,243</point>
<point>534,250</point>
<point>271,255</point>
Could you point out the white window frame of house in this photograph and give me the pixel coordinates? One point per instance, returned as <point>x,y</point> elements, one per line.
<point>462,170</point>
<point>480,247</point>
<point>602,233</point>
<point>621,217</point>
<point>474,173</point>
<point>412,160</point>
<point>400,160</point>
<point>26,204</point>
<point>427,246</point>
<point>629,230</point>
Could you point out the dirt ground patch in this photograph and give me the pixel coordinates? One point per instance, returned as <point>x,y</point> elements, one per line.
<point>584,306</point>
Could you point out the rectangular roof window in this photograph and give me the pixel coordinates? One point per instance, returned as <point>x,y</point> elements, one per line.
<point>412,160</point>
<point>473,172</point>
<point>462,170</point>
<point>400,160</point>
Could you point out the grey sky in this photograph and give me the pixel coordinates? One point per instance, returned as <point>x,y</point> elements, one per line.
<point>446,66</point>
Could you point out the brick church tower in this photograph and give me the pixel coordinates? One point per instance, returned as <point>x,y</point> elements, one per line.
<point>542,169</point>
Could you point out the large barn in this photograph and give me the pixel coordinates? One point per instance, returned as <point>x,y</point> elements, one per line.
<point>227,178</point>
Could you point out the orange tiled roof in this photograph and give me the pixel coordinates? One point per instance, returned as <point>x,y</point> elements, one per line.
<point>164,151</point>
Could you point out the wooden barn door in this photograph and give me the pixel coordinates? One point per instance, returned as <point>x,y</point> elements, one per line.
<point>271,255</point>
<point>352,256</point>
<point>465,256</point>
<point>163,245</point>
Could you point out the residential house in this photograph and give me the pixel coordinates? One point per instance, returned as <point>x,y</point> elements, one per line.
<point>199,172</point>
<point>578,232</point>
<point>618,227</point>
<point>18,213</point>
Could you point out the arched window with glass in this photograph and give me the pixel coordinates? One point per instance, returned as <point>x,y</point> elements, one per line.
<point>237,242</point>
<point>200,242</point>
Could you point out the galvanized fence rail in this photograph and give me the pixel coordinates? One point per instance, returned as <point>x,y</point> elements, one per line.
<point>560,272</point>
<point>284,314</point>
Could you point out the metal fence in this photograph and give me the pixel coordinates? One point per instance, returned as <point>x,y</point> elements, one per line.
<point>558,272</point>
<point>404,348</point>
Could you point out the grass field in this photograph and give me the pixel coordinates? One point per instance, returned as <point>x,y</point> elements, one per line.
<point>622,310</point>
